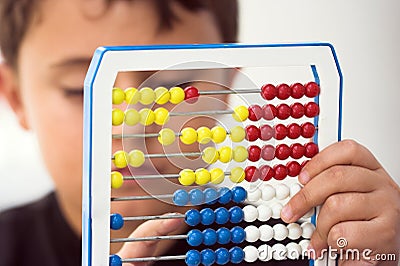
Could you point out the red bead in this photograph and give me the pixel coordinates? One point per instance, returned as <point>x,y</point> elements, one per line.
<point>284,91</point>
<point>255,112</point>
<point>266,132</point>
<point>191,94</point>
<point>297,150</point>
<point>252,133</point>
<point>252,173</point>
<point>298,90</point>
<point>254,153</point>
<point>281,131</point>
<point>311,149</point>
<point>266,173</point>
<point>307,130</point>
<point>297,110</point>
<point>312,89</point>
<point>268,91</point>
<point>304,163</point>
<point>283,111</point>
<point>269,112</point>
<point>280,172</point>
<point>293,168</point>
<point>282,151</point>
<point>268,152</point>
<point>294,131</point>
<point>311,109</point>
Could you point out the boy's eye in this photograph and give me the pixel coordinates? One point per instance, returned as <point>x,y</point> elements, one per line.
<point>73,92</point>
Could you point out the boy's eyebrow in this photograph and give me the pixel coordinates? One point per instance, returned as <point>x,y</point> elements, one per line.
<point>70,62</point>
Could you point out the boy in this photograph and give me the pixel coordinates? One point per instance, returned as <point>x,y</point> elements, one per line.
<point>47,46</point>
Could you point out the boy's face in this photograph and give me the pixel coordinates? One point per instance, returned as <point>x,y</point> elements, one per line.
<point>52,64</point>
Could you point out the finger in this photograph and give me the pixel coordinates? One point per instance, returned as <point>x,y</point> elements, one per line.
<point>337,179</point>
<point>347,152</point>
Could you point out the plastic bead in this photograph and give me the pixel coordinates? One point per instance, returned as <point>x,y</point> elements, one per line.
<point>268,192</point>
<point>269,112</point>
<point>266,132</point>
<point>284,91</point>
<point>254,153</point>
<point>192,217</point>
<point>162,95</point>
<point>276,210</point>
<point>166,136</point>
<point>147,96</point>
<point>297,150</point>
<point>224,195</point>
<point>132,95</point>
<point>207,216</point>
<point>202,176</point>
<point>252,133</point>
<point>294,131</point>
<point>264,252</point>
<point>147,116</point>
<point>210,155</point>
<point>225,154</point>
<point>312,89</point>
<point>237,175</point>
<point>250,213</point>
<point>223,236</point>
<point>218,134</point>
<point>238,235</point>
<point>210,195</point>
<point>116,221</point>
<point>204,135</point>
<point>267,173</point>
<point>181,197</point>
<point>293,168</point>
<point>280,232</point>
<point>284,111</point>
<point>136,158</point>
<point>196,196</point>
<point>293,251</point>
<point>279,252</point>
<point>266,232</point>
<point>311,109</point>
<point>188,135</point>
<point>311,149</point>
<point>221,215</point>
<point>268,152</point>
<point>254,195</point>
<point>280,172</point>
<point>116,179</point>
<point>161,116</point>
<point>308,229</point>
<point>117,117</point>
<point>235,214</point>
<point>132,117</point>
<point>255,112</point>
<point>191,94</point>
<point>207,257</point>
<point>237,255</point>
<point>120,159</point>
<point>298,90</point>
<point>304,244</point>
<point>240,113</point>
<point>281,131</point>
<point>294,188</point>
<point>115,260</point>
<point>194,237</point>
<point>307,130</point>
<point>118,96</point>
<point>177,95</point>
<point>239,194</point>
<point>217,176</point>
<point>268,92</point>
<point>187,177</point>
<point>297,110</point>
<point>282,192</point>
<point>252,233</point>
<point>251,173</point>
<point>282,151</point>
<point>237,134</point>
<point>209,237</point>
<point>222,256</point>
<point>250,253</point>
<point>264,213</point>
<point>193,258</point>
<point>295,231</point>
<point>240,154</point>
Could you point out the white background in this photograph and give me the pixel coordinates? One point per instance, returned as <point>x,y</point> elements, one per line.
<point>366,36</point>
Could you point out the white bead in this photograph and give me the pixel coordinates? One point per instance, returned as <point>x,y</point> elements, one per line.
<point>265,252</point>
<point>250,253</point>
<point>294,188</point>
<point>308,229</point>
<point>280,232</point>
<point>252,233</point>
<point>304,245</point>
<point>309,214</point>
<point>279,252</point>
<point>281,191</point>
<point>264,212</point>
<point>266,232</point>
<point>293,251</point>
<point>268,192</point>
<point>250,213</point>
<point>295,231</point>
<point>254,195</point>
<point>276,210</point>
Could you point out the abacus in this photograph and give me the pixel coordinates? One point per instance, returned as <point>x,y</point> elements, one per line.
<point>249,157</point>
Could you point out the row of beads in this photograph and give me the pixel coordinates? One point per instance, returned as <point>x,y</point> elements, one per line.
<point>282,111</point>
<point>268,192</point>
<point>210,237</point>
<point>278,251</point>
<point>296,91</point>
<point>265,212</point>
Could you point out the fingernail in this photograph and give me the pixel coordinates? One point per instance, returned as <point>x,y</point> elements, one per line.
<point>304,177</point>
<point>286,213</point>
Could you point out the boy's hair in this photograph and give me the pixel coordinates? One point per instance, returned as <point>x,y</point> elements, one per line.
<point>16,16</point>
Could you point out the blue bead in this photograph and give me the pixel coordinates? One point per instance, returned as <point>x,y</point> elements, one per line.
<point>221,215</point>
<point>207,257</point>
<point>192,217</point>
<point>194,237</point>
<point>196,196</point>
<point>193,258</point>
<point>207,216</point>
<point>223,235</point>
<point>239,194</point>
<point>225,195</point>
<point>181,197</point>
<point>116,221</point>
<point>237,255</point>
<point>210,196</point>
<point>236,214</point>
<point>222,256</point>
<point>209,237</point>
<point>115,260</point>
<point>237,235</point>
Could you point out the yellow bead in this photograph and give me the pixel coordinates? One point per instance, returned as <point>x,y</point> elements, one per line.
<point>116,179</point>
<point>240,113</point>
<point>147,116</point>
<point>204,135</point>
<point>162,95</point>
<point>202,176</point>
<point>210,155</point>
<point>188,135</point>
<point>161,116</point>
<point>218,134</point>
<point>147,96</point>
<point>237,175</point>
<point>177,95</point>
<point>187,177</point>
<point>240,154</point>
<point>118,96</point>
<point>120,159</point>
<point>217,176</point>
<point>132,95</point>
<point>136,158</point>
<point>117,117</point>
<point>237,134</point>
<point>132,117</point>
<point>166,137</point>
<point>225,154</point>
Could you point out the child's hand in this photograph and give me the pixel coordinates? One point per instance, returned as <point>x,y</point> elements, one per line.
<point>360,202</point>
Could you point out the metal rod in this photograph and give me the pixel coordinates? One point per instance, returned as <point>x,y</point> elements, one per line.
<point>229,91</point>
<point>158,258</point>
<point>154,217</point>
<point>147,238</point>
<point>166,196</point>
